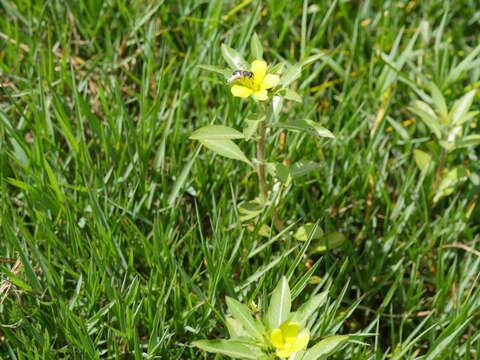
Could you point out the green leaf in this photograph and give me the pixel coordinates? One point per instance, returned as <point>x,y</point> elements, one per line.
<point>305,311</point>
<point>428,116</point>
<point>277,69</point>
<point>231,348</point>
<point>281,172</point>
<point>277,103</point>
<point>320,130</point>
<point>280,303</point>
<point>292,95</point>
<point>461,108</point>
<point>330,241</point>
<point>297,355</point>
<point>265,231</point>
<point>233,58</point>
<point>225,148</point>
<point>466,117</point>
<point>241,313</point>
<point>451,136</point>
<point>470,61</point>
<point>251,128</point>
<point>308,230</point>
<point>216,69</point>
<point>302,168</point>
<point>422,159</point>
<point>449,181</point>
<point>250,210</point>
<point>325,347</point>
<point>308,126</point>
<point>236,329</point>
<point>439,102</point>
<point>469,140</point>
<point>216,132</point>
<point>292,74</point>
<point>256,47</point>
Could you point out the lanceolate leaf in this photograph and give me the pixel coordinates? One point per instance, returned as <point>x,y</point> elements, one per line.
<point>281,172</point>
<point>466,117</point>
<point>241,313</point>
<point>439,102</point>
<point>449,181</point>
<point>277,69</point>
<point>428,116</point>
<point>236,329</point>
<point>277,103</point>
<point>279,308</point>
<point>308,126</point>
<point>225,72</point>
<point>292,95</point>
<point>231,348</point>
<point>330,241</point>
<point>216,132</point>
<point>225,148</point>
<point>325,347</point>
<point>302,168</point>
<point>256,47</point>
<point>422,159</point>
<point>251,128</point>
<point>306,310</point>
<point>250,210</point>
<point>292,74</point>
<point>461,107</point>
<point>308,230</point>
<point>469,140</point>
<point>297,355</point>
<point>233,58</point>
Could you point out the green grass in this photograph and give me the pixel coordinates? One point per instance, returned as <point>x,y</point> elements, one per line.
<point>127,238</point>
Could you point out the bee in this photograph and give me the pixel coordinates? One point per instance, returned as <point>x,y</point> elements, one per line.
<point>240,74</point>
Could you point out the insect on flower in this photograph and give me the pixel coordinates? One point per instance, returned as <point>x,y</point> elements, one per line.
<point>254,82</point>
<point>240,74</point>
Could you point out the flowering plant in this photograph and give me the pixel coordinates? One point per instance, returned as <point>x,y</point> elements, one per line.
<point>280,333</point>
<point>268,85</point>
<point>448,127</point>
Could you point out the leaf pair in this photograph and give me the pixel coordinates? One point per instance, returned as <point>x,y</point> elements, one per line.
<point>218,138</point>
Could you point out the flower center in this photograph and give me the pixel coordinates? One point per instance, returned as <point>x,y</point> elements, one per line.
<point>249,83</point>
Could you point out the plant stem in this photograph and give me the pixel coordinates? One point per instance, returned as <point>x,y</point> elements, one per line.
<point>261,162</point>
<point>441,166</point>
<point>261,175</point>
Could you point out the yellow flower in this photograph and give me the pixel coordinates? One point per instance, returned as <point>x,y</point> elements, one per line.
<point>258,85</point>
<point>288,338</point>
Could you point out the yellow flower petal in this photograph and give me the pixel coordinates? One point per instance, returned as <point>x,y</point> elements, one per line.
<point>283,353</point>
<point>276,338</point>
<point>260,95</point>
<point>241,91</point>
<point>301,341</point>
<point>270,81</point>
<point>289,331</point>
<point>259,69</point>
